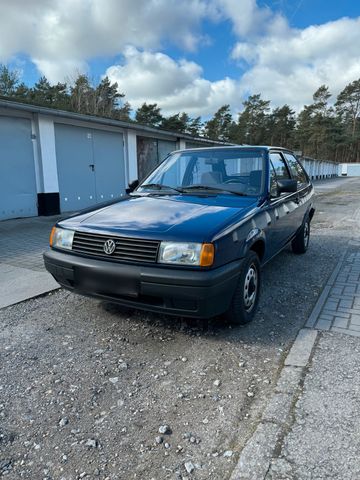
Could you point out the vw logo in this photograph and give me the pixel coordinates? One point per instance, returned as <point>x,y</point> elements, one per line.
<point>109,247</point>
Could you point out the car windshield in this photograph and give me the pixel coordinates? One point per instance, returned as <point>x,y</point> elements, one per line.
<point>234,171</point>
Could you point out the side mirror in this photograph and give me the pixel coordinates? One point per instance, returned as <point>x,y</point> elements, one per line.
<point>286,186</point>
<point>132,186</point>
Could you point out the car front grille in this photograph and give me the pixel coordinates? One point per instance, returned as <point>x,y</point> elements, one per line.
<point>127,249</point>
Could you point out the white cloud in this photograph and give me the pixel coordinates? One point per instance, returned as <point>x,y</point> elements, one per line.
<point>284,64</point>
<point>175,86</point>
<point>248,19</point>
<point>288,68</point>
<point>284,68</point>
<point>61,35</point>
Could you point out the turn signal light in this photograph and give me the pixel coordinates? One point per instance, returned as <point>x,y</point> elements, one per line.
<point>207,255</point>
<point>52,236</point>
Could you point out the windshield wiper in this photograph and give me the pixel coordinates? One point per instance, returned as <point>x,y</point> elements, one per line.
<point>187,188</point>
<point>160,186</point>
<point>209,188</point>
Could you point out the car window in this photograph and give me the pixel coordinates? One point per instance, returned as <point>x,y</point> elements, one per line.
<point>296,169</point>
<point>200,169</point>
<point>281,170</point>
<point>273,181</point>
<point>278,171</point>
<point>242,165</point>
<point>176,169</point>
<point>237,170</point>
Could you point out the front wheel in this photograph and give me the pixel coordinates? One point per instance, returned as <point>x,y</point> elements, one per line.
<point>246,297</point>
<point>301,242</point>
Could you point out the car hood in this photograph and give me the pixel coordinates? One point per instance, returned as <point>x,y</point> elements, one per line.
<point>188,218</point>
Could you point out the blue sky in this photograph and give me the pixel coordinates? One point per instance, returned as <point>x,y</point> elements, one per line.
<point>300,13</point>
<point>192,55</point>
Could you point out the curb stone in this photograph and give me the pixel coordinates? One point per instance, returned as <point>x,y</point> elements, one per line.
<point>325,293</point>
<point>255,458</point>
<point>301,350</point>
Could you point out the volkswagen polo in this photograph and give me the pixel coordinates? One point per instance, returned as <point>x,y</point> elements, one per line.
<point>191,238</point>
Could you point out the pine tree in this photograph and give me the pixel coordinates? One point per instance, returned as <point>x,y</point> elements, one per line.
<point>253,121</point>
<point>218,127</point>
<point>348,108</point>
<point>122,112</point>
<point>281,126</point>
<point>194,127</point>
<point>176,123</point>
<point>149,114</point>
<point>9,81</point>
<point>81,94</point>
<point>105,98</point>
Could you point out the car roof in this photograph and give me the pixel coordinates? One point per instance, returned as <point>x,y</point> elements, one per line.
<point>232,147</point>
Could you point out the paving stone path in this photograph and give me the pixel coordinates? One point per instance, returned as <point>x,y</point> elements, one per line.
<point>22,272</point>
<point>23,241</point>
<point>338,308</point>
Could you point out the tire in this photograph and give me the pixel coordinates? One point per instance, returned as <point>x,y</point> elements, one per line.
<point>301,242</point>
<point>246,297</point>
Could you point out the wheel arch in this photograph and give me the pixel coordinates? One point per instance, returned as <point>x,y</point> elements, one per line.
<point>258,246</point>
<point>311,213</point>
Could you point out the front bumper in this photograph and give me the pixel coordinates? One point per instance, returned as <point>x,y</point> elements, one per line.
<point>173,291</point>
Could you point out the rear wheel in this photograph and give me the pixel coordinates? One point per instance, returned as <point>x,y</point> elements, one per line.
<point>246,297</point>
<point>301,242</point>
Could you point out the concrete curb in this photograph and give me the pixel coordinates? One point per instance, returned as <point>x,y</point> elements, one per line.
<point>324,294</point>
<point>255,458</point>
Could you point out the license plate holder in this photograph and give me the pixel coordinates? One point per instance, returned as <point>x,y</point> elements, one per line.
<point>105,284</point>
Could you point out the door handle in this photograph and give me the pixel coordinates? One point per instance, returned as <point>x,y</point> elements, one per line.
<point>297,200</point>
<point>92,167</point>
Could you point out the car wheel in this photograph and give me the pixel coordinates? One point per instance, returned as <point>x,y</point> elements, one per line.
<point>301,242</point>
<point>246,297</point>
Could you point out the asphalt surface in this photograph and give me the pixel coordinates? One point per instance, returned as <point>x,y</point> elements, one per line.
<point>85,386</point>
<point>324,441</point>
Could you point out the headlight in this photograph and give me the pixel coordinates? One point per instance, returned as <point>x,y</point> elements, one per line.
<point>201,254</point>
<point>61,238</point>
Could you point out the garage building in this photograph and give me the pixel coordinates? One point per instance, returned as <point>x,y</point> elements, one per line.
<point>54,161</point>
<point>349,169</point>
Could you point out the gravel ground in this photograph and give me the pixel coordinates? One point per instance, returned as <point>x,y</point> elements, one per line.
<point>86,386</point>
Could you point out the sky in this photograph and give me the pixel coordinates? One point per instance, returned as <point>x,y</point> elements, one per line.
<point>188,55</point>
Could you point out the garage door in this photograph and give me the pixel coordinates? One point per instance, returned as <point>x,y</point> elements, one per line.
<point>150,152</point>
<point>18,197</point>
<point>164,148</point>
<point>90,166</point>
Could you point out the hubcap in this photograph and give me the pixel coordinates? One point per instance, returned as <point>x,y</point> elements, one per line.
<point>250,288</point>
<point>306,234</point>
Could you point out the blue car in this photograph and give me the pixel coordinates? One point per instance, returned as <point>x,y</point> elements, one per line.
<point>191,238</point>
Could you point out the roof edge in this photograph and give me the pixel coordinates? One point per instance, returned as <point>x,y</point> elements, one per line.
<point>28,107</point>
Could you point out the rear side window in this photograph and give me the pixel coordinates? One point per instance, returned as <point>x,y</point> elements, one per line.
<point>296,169</point>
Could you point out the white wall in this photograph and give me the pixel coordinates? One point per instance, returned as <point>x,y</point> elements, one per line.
<point>182,144</point>
<point>46,144</point>
<point>317,169</point>
<point>131,156</point>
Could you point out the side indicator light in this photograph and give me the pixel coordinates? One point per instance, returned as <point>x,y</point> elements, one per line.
<point>207,255</point>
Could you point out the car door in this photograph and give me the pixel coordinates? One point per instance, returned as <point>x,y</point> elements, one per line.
<point>303,185</point>
<point>280,207</point>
